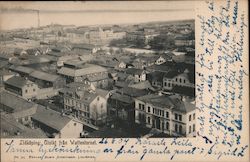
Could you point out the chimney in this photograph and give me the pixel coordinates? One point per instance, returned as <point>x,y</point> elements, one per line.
<point>160,93</point>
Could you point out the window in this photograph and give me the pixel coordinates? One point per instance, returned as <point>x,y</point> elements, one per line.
<point>189,129</point>
<point>184,81</point>
<point>148,109</point>
<point>176,128</point>
<point>180,80</point>
<point>26,91</point>
<point>176,79</point>
<point>175,116</point>
<point>180,117</point>
<point>143,107</point>
<point>167,114</point>
<point>74,124</point>
<point>167,125</point>
<point>165,84</point>
<point>148,120</point>
<point>193,127</point>
<point>190,117</point>
<point>168,84</point>
<point>98,98</point>
<point>34,90</point>
<point>153,110</point>
<point>193,116</point>
<point>180,129</point>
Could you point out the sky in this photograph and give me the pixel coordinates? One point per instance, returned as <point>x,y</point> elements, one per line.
<point>24,14</point>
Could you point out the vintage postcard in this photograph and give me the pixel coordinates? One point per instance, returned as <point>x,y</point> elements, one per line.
<point>124,81</point>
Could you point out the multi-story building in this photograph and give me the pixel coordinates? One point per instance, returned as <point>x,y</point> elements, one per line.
<point>87,105</point>
<point>22,86</point>
<point>175,78</point>
<point>167,114</point>
<point>121,107</point>
<point>87,73</point>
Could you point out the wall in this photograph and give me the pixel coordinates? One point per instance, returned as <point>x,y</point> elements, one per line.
<point>72,130</point>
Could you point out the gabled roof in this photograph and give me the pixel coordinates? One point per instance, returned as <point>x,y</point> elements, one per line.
<point>51,118</point>
<point>17,81</point>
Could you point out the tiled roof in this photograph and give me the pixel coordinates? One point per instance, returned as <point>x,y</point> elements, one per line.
<point>51,118</point>
<point>17,81</point>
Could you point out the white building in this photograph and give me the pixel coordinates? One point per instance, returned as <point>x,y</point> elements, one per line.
<point>168,114</point>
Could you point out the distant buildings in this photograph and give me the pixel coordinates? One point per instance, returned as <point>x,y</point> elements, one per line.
<point>166,114</point>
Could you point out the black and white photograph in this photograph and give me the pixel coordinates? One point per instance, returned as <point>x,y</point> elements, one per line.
<point>97,69</point>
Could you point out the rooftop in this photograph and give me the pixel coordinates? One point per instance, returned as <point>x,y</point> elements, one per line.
<point>51,118</point>
<point>44,76</point>
<point>86,69</point>
<point>157,100</point>
<point>134,71</point>
<point>22,69</point>
<point>18,81</point>
<point>15,102</point>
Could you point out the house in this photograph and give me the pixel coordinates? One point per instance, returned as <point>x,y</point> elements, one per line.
<point>55,124</point>
<point>175,78</point>
<point>46,80</point>
<point>86,105</point>
<point>156,79</point>
<point>138,74</point>
<point>22,87</point>
<point>19,108</point>
<point>166,114</point>
<point>88,73</point>
<point>121,107</point>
